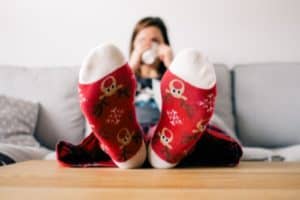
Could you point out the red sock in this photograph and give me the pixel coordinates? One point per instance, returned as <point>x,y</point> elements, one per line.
<point>107,88</point>
<point>188,104</point>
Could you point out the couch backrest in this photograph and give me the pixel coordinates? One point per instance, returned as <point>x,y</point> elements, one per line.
<point>267,104</point>
<point>266,101</point>
<point>55,88</point>
<point>224,105</point>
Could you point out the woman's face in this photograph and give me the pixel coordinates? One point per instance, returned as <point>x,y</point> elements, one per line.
<point>148,35</point>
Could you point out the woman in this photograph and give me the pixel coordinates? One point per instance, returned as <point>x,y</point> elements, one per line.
<point>149,32</point>
<point>182,136</point>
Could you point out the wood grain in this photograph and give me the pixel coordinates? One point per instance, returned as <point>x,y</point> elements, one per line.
<point>249,180</point>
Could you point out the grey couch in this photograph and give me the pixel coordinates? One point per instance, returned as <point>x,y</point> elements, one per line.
<point>258,104</point>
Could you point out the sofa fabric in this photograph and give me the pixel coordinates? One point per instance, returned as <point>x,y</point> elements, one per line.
<point>223,116</point>
<point>55,89</point>
<point>267,105</point>
<point>19,153</point>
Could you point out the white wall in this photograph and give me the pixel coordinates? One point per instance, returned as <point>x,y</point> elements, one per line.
<point>61,32</point>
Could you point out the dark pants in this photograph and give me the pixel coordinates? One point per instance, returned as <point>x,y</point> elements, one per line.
<point>5,160</point>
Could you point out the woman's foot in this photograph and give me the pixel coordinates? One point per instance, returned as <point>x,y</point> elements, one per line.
<point>188,92</point>
<point>107,89</point>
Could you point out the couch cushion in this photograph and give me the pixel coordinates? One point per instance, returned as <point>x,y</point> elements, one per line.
<point>54,88</point>
<point>267,104</point>
<point>224,94</point>
<point>18,120</point>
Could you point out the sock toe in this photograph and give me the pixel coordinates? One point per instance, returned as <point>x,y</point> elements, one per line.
<point>200,73</point>
<point>101,61</point>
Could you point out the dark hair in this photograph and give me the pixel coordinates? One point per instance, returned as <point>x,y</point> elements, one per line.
<point>147,22</point>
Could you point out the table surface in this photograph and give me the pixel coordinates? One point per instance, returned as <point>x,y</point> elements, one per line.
<point>249,180</point>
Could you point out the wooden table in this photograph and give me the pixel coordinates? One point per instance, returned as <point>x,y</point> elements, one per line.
<point>250,180</point>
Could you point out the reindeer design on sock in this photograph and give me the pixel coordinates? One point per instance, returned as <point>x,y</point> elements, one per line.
<point>124,137</point>
<point>166,137</point>
<point>176,89</point>
<point>109,87</point>
<point>200,128</point>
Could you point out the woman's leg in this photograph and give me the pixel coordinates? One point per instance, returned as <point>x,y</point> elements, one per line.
<point>214,148</point>
<point>106,89</point>
<point>87,154</point>
<point>188,91</point>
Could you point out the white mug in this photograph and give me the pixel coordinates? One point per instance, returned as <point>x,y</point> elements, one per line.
<point>150,55</point>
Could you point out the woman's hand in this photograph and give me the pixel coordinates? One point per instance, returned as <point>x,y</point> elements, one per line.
<point>165,54</point>
<point>135,60</point>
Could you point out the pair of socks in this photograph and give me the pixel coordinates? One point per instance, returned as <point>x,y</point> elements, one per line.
<point>107,88</point>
